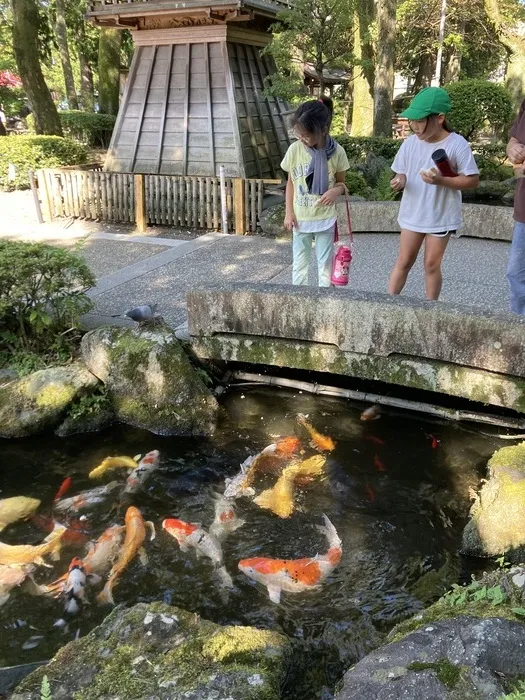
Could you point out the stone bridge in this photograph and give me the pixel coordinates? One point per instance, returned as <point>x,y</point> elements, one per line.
<point>450,349</point>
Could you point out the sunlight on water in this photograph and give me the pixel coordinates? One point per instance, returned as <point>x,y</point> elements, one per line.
<point>396,490</point>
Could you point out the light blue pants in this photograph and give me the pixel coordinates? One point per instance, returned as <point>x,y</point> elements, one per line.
<point>516,269</point>
<point>302,254</point>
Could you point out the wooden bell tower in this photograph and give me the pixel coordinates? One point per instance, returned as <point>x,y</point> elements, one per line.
<point>194,95</point>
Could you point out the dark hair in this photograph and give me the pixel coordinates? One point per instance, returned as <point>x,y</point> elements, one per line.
<point>445,124</point>
<point>315,116</point>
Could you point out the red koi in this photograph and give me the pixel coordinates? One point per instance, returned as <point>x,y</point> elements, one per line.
<point>64,487</point>
<point>370,492</point>
<point>379,465</point>
<point>374,439</point>
<point>435,442</point>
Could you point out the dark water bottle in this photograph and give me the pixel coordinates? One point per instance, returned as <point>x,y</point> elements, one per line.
<point>442,162</point>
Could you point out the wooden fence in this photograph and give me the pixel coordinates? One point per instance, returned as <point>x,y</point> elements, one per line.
<point>165,200</point>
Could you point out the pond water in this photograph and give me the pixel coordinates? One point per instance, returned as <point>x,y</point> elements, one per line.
<point>397,497</point>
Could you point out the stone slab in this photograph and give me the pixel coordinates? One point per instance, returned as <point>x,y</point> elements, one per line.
<point>428,375</point>
<point>366,323</point>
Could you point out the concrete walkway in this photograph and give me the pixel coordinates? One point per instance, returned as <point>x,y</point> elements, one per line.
<point>136,269</point>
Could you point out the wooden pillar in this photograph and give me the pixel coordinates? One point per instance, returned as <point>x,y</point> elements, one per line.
<point>47,211</point>
<point>34,190</point>
<point>140,204</point>
<point>238,205</point>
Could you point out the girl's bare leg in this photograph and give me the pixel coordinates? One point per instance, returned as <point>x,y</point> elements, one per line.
<point>409,245</point>
<point>434,250</point>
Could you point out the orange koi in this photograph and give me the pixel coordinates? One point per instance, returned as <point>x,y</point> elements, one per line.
<point>435,442</point>
<point>64,487</point>
<point>379,464</point>
<point>75,529</point>
<point>270,460</point>
<point>371,413</point>
<point>295,575</point>
<point>226,520</point>
<point>135,536</point>
<point>370,492</point>
<point>375,440</point>
<point>85,499</point>
<point>324,443</point>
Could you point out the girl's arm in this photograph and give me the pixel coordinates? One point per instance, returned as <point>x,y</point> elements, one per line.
<point>290,222</point>
<point>331,195</point>
<point>460,182</point>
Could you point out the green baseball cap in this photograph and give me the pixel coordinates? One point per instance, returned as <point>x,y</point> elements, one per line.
<point>430,100</point>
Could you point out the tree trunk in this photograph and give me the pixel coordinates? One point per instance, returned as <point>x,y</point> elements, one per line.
<point>25,45</point>
<point>362,87</point>
<point>384,78</point>
<point>424,73</point>
<point>87,91</point>
<point>108,70</point>
<point>515,45</point>
<point>452,68</point>
<point>63,50</point>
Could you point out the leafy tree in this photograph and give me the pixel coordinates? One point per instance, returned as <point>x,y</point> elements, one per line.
<point>26,49</point>
<point>504,16</point>
<point>63,50</point>
<point>318,32</point>
<point>479,103</point>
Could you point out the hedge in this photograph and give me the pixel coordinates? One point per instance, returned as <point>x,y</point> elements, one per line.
<point>33,152</point>
<point>358,147</point>
<point>91,129</point>
<point>478,103</point>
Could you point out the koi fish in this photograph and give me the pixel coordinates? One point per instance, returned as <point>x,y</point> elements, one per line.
<point>270,460</point>
<point>16,508</point>
<point>135,536</point>
<point>75,529</point>
<point>64,487</point>
<point>435,442</point>
<point>324,443</point>
<point>370,492</point>
<point>85,499</point>
<point>205,544</point>
<point>11,577</point>
<point>112,463</point>
<point>379,464</point>
<point>138,477</point>
<point>375,440</point>
<point>280,498</point>
<point>226,520</point>
<point>371,413</point>
<point>235,485</point>
<point>295,575</point>
<point>20,554</point>
<point>74,591</point>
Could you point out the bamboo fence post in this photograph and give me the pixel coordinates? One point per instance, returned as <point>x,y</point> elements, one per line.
<point>140,203</point>
<point>238,205</point>
<point>47,211</point>
<point>224,203</point>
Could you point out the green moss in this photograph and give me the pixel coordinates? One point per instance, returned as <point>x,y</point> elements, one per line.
<point>447,673</point>
<point>55,395</point>
<point>239,644</point>
<point>512,456</point>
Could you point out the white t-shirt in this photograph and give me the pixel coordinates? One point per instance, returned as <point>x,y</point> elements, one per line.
<point>431,208</point>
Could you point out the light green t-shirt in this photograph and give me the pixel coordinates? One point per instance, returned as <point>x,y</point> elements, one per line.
<point>296,162</point>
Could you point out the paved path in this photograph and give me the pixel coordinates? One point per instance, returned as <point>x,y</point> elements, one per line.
<point>133,269</point>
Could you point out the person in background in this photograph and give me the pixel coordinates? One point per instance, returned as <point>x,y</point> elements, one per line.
<point>430,209</point>
<point>3,122</point>
<point>316,167</point>
<point>516,264</point>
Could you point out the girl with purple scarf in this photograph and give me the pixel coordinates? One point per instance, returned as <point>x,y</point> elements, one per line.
<point>316,167</point>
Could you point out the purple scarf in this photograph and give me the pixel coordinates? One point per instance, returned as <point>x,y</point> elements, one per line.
<point>317,173</point>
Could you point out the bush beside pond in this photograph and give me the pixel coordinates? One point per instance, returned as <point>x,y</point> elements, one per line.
<point>91,129</point>
<point>33,152</point>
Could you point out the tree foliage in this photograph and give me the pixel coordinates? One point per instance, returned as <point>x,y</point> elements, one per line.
<point>477,104</point>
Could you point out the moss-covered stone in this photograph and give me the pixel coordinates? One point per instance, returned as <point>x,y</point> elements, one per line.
<point>150,380</point>
<point>497,517</point>
<point>167,653</point>
<point>38,401</point>
<point>88,414</point>
<point>447,673</point>
<point>435,583</point>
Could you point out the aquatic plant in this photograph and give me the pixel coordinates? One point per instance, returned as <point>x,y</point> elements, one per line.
<point>517,694</point>
<point>45,689</point>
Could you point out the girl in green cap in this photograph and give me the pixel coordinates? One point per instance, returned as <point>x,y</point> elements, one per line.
<point>431,204</point>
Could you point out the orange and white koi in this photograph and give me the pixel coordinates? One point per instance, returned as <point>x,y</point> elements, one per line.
<point>133,541</point>
<point>21,554</point>
<point>85,499</point>
<point>321,442</point>
<point>16,508</point>
<point>112,463</point>
<point>371,413</point>
<point>226,520</point>
<point>138,477</point>
<point>295,575</point>
<point>280,498</point>
<point>190,535</point>
<point>11,577</point>
<point>74,591</point>
<point>235,485</point>
<point>271,459</point>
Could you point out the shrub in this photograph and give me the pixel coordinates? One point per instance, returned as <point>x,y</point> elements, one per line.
<point>358,147</point>
<point>91,129</point>
<point>490,159</point>
<point>42,295</point>
<point>12,98</point>
<point>33,152</point>
<point>356,183</point>
<point>478,104</point>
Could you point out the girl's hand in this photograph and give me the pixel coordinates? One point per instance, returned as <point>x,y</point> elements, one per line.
<point>432,176</point>
<point>330,196</point>
<point>398,182</point>
<point>290,222</point>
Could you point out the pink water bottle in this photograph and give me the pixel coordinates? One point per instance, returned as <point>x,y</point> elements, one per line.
<point>341,266</point>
